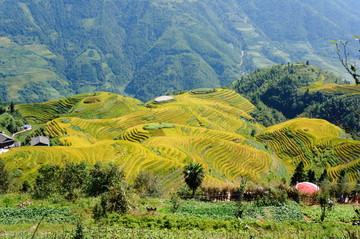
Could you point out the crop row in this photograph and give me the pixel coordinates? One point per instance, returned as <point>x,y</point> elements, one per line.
<point>53,129</point>
<point>232,159</point>
<point>348,152</point>
<point>34,215</point>
<point>284,146</point>
<point>135,134</point>
<point>229,96</point>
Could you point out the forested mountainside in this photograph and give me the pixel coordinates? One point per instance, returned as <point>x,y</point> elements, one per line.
<point>287,91</point>
<point>52,49</point>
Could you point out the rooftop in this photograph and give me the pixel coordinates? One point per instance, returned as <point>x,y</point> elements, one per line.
<point>164,98</point>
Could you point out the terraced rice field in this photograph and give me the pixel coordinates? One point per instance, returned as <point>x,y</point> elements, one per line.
<point>347,89</point>
<point>233,160</point>
<point>314,142</point>
<point>204,128</point>
<point>107,105</point>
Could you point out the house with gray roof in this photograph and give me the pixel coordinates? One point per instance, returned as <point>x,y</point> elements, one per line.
<point>6,141</point>
<point>40,141</point>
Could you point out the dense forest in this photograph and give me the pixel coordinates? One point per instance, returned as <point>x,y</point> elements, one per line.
<point>287,91</point>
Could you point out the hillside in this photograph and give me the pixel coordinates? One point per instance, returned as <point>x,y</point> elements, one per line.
<point>284,92</point>
<point>315,142</point>
<point>211,127</point>
<point>51,50</point>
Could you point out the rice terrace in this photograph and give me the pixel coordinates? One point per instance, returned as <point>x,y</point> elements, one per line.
<point>154,141</point>
<point>179,119</point>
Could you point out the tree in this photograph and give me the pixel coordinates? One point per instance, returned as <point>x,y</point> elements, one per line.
<point>147,184</point>
<point>311,176</point>
<point>47,181</point>
<point>73,179</point>
<point>342,187</point>
<point>326,205</point>
<point>342,52</point>
<point>193,175</point>
<point>102,177</point>
<point>4,178</point>
<point>12,107</point>
<point>299,174</point>
<point>323,176</point>
<point>240,206</point>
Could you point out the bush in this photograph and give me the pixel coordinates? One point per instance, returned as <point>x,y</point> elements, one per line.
<point>147,184</point>
<point>73,180</point>
<point>175,202</point>
<point>47,181</point>
<point>272,197</point>
<point>117,200</point>
<point>102,177</point>
<point>4,178</point>
<point>113,201</point>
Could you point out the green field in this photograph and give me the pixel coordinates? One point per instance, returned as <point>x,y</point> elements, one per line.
<point>194,218</point>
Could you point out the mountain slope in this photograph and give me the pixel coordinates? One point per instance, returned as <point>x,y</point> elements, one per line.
<point>286,91</point>
<point>146,48</point>
<point>212,127</point>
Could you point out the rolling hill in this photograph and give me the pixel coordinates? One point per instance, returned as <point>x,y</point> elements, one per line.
<point>287,91</point>
<point>214,129</point>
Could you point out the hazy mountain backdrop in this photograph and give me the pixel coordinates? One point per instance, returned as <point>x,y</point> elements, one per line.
<point>51,49</point>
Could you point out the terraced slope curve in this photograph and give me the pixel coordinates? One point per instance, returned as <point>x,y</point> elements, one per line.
<point>211,128</point>
<point>315,142</point>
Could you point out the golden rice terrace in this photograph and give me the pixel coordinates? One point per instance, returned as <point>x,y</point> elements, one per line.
<point>212,127</point>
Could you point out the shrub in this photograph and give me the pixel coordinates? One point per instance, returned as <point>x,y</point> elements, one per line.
<point>113,201</point>
<point>47,181</point>
<point>147,184</point>
<point>79,232</point>
<point>272,197</point>
<point>117,200</point>
<point>73,180</point>
<point>102,177</point>
<point>4,178</point>
<point>175,202</point>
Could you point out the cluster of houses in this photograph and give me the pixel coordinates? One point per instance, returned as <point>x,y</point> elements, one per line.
<point>7,142</point>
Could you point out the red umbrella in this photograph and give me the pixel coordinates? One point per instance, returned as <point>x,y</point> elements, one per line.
<point>306,187</point>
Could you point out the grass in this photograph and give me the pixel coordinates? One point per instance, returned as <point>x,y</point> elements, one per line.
<point>156,126</point>
<point>198,220</point>
<point>203,91</point>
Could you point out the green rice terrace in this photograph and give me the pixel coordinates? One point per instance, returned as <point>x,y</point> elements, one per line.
<point>146,146</point>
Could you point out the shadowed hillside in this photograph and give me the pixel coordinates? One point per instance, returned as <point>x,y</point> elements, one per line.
<point>53,49</point>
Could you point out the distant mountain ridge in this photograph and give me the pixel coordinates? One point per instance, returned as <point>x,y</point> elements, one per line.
<point>52,49</point>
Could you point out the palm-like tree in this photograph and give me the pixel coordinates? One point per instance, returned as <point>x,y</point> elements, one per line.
<point>193,175</point>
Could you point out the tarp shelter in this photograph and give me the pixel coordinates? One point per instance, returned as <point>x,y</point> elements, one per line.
<point>306,187</point>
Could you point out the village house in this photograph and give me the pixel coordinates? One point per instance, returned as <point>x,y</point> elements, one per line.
<point>5,140</point>
<point>40,141</point>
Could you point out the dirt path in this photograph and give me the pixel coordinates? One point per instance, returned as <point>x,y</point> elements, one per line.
<point>20,132</point>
